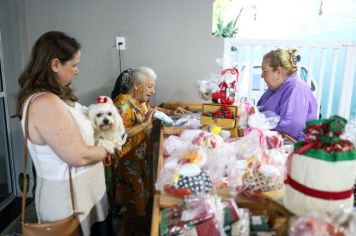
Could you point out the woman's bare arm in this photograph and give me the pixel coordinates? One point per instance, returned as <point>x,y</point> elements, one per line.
<point>177,111</point>
<point>132,131</point>
<point>51,123</point>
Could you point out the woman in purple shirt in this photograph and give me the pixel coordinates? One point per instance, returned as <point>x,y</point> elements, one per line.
<point>287,95</point>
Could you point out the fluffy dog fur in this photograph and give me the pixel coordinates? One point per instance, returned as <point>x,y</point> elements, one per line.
<point>109,129</point>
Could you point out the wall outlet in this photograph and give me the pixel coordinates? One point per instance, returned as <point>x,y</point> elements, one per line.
<point>120,43</point>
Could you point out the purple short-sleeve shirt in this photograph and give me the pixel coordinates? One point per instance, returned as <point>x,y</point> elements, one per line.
<point>294,102</point>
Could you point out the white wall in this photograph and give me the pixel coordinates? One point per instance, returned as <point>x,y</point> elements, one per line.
<point>171,36</point>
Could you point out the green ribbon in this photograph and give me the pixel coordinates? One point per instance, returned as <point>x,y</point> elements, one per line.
<point>326,134</point>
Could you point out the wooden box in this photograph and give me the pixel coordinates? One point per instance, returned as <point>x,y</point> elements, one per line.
<point>173,130</point>
<point>221,122</point>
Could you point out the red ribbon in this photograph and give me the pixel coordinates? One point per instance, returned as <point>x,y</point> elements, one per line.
<point>326,195</point>
<point>108,160</point>
<point>102,99</point>
<point>307,146</point>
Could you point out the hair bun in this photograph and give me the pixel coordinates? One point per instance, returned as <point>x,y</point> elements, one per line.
<point>294,59</point>
<point>299,58</point>
<point>123,83</point>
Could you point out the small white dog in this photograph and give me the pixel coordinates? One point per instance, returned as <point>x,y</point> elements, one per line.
<point>109,129</point>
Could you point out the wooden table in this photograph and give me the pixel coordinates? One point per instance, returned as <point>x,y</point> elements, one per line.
<point>278,215</point>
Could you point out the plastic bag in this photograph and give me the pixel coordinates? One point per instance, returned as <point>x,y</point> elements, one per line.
<point>191,120</point>
<point>196,215</point>
<point>163,117</point>
<point>208,86</point>
<point>173,144</point>
<point>263,120</point>
<point>350,131</point>
<point>314,224</point>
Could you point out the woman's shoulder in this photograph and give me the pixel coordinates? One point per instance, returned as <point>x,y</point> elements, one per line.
<point>120,99</point>
<point>46,100</point>
<point>45,96</point>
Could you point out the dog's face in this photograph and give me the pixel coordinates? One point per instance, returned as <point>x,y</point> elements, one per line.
<point>105,117</point>
<point>102,116</point>
<point>108,125</point>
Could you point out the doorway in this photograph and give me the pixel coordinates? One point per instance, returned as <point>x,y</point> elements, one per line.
<point>7,188</point>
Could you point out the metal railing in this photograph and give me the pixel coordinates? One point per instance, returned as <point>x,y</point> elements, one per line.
<point>329,67</point>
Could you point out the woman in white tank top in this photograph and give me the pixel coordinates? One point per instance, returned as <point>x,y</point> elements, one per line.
<point>60,136</point>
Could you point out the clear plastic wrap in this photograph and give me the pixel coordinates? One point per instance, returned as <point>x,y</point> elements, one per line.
<point>246,108</point>
<point>173,144</point>
<point>163,117</point>
<point>191,120</point>
<point>196,215</point>
<point>182,174</point>
<point>263,150</point>
<point>263,120</point>
<point>208,86</point>
<point>350,131</point>
<point>315,224</point>
<point>242,227</point>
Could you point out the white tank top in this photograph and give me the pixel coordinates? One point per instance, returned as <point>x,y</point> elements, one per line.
<point>48,164</point>
<point>53,199</point>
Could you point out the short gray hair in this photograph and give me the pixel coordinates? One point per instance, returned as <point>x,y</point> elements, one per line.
<point>126,79</point>
<point>141,74</point>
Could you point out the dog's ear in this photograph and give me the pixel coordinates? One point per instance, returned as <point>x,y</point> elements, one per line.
<point>91,114</point>
<point>91,111</point>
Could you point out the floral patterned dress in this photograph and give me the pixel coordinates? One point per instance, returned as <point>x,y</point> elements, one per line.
<point>133,175</point>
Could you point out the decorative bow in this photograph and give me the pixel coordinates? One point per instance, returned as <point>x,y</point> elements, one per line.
<point>102,99</point>
<point>325,134</point>
<point>233,71</point>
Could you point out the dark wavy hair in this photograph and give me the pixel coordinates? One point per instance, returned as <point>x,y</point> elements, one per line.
<point>38,75</point>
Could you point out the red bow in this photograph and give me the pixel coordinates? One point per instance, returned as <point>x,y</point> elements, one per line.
<point>102,99</point>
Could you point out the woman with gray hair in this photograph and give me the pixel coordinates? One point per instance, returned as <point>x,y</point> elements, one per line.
<point>133,180</point>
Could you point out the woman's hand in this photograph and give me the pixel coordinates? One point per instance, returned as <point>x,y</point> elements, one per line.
<point>149,115</point>
<point>180,111</point>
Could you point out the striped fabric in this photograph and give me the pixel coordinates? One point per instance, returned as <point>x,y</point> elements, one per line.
<point>52,197</point>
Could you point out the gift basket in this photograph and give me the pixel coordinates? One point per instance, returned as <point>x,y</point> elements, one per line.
<point>321,172</point>
<point>264,154</point>
<point>182,174</point>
